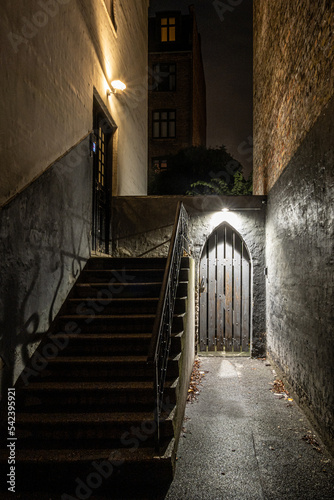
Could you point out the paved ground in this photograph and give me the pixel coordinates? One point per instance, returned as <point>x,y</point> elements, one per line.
<point>240,441</point>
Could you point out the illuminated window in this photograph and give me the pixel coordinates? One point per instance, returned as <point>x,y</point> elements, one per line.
<point>164,124</point>
<point>159,165</point>
<point>168,29</point>
<point>164,77</point>
<point>110,4</point>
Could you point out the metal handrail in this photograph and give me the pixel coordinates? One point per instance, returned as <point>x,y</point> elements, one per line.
<point>158,353</point>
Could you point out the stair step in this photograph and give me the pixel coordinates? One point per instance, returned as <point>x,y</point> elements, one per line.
<point>126,263</point>
<point>105,343</point>
<point>120,290</point>
<point>82,418</point>
<point>113,368</point>
<point>110,343</point>
<point>115,276</point>
<point>82,456</point>
<point>53,397</point>
<point>38,430</point>
<point>118,306</point>
<point>115,323</point>
<point>59,470</point>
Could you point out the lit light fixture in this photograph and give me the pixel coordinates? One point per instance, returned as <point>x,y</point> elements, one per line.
<point>116,87</point>
<point>225,209</point>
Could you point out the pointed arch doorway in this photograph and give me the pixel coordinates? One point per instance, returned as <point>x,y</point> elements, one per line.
<point>225,294</point>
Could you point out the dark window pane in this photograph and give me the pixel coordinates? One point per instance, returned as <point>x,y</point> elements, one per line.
<point>164,129</point>
<point>156,129</point>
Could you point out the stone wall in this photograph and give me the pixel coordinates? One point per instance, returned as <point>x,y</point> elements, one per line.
<point>45,240</point>
<point>300,285</point>
<point>55,53</point>
<point>142,226</point>
<point>293,79</point>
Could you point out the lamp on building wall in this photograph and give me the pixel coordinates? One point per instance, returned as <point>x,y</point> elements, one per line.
<point>117,87</point>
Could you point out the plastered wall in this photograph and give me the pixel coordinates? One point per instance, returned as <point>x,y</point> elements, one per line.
<point>53,54</point>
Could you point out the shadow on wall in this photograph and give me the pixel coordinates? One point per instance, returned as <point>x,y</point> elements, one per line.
<point>45,241</point>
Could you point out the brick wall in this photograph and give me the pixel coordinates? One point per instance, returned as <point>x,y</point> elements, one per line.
<point>189,97</point>
<point>180,100</point>
<point>293,79</point>
<point>199,92</point>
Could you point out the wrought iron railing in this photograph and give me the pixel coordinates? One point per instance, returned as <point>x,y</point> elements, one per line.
<point>161,338</point>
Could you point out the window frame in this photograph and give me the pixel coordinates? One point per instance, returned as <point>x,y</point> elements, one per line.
<point>160,160</point>
<point>160,81</point>
<point>168,27</point>
<point>161,121</point>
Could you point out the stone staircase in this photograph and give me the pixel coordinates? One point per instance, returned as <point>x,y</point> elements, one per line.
<point>88,415</point>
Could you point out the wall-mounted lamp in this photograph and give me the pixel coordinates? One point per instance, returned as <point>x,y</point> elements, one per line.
<point>117,87</point>
<point>225,209</point>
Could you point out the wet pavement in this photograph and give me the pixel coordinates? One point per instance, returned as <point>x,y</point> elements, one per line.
<point>241,441</point>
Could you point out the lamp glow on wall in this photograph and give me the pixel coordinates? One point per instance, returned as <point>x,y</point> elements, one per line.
<point>117,87</point>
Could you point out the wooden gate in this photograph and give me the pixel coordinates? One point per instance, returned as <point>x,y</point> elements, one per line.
<point>225,286</point>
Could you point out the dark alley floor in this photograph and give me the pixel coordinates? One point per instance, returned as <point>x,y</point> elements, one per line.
<point>241,441</point>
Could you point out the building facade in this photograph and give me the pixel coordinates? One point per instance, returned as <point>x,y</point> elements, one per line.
<point>177,93</point>
<point>293,164</point>
<point>68,145</point>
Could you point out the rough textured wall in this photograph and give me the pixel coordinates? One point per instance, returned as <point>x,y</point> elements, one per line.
<point>293,79</point>
<point>55,52</point>
<point>137,231</point>
<point>44,243</point>
<point>300,259</point>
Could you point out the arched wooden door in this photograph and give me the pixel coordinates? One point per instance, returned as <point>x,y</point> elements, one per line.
<point>225,293</point>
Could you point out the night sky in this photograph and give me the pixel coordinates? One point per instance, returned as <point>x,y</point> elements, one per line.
<point>227,55</point>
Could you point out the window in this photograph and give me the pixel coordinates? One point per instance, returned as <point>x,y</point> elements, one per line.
<point>168,29</point>
<point>164,77</point>
<point>101,157</point>
<point>164,124</point>
<point>110,4</point>
<point>159,165</point>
